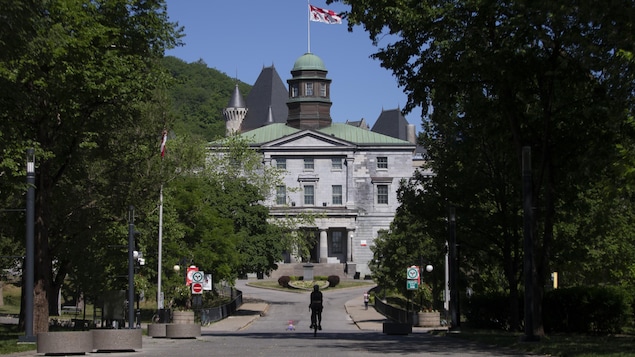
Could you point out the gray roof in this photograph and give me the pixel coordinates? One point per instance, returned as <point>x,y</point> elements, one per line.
<point>392,123</point>
<point>236,100</point>
<point>268,91</point>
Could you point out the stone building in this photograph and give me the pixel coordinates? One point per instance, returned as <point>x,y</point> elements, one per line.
<point>344,172</point>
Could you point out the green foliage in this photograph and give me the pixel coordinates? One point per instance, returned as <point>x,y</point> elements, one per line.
<point>76,81</point>
<point>199,95</point>
<point>588,309</point>
<point>489,311</point>
<point>284,281</point>
<point>333,280</point>
<point>506,75</point>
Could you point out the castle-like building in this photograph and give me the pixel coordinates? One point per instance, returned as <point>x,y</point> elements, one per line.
<point>345,173</point>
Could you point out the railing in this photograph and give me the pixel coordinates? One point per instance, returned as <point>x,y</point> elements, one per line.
<point>218,313</point>
<point>394,313</point>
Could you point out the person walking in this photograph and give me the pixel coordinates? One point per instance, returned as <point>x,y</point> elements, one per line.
<point>316,307</point>
<point>366,298</point>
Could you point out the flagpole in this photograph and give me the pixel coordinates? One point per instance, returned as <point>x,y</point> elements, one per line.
<point>308,26</point>
<point>159,292</point>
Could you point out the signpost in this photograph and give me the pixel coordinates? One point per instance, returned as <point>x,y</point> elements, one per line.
<point>197,288</point>
<point>412,274</point>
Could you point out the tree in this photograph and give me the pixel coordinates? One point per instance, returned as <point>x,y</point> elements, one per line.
<point>552,76</point>
<point>72,85</point>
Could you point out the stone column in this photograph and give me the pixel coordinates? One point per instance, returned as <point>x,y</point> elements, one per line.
<point>324,248</point>
<point>350,183</point>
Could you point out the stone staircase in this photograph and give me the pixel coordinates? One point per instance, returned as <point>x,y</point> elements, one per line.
<point>319,269</point>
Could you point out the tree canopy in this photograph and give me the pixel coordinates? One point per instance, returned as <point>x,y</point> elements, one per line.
<point>76,79</point>
<point>498,76</point>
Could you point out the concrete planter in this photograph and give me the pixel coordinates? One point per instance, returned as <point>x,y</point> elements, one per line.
<point>117,340</point>
<point>183,317</point>
<point>182,330</point>
<point>65,342</point>
<point>157,330</point>
<point>429,319</point>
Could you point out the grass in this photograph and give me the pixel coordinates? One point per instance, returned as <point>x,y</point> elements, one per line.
<point>563,345</point>
<point>9,335</point>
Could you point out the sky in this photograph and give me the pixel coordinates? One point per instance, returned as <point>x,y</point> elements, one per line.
<point>240,37</point>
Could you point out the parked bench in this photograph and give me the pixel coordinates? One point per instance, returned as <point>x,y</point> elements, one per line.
<point>71,310</point>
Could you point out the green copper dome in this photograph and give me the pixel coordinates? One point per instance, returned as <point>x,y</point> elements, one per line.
<point>309,61</point>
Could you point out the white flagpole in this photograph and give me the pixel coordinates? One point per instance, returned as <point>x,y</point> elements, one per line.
<point>308,26</point>
<point>159,292</point>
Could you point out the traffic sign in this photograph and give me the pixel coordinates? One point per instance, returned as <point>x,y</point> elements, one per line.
<point>412,284</point>
<point>412,273</point>
<point>197,288</point>
<point>198,276</point>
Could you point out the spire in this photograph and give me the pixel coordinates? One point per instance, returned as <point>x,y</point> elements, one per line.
<point>235,112</point>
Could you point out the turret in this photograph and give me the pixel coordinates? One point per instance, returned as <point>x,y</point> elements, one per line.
<point>234,113</point>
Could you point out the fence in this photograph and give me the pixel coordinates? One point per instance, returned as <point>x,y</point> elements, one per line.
<point>391,312</point>
<point>220,312</point>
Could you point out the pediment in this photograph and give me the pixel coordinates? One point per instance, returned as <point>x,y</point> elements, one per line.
<point>308,139</point>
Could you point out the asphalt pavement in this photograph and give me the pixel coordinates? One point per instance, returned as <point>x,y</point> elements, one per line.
<point>366,319</point>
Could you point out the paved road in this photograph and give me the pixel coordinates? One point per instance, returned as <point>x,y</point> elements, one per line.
<point>259,329</point>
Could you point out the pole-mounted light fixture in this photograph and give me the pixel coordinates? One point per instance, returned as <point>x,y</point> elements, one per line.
<point>29,261</point>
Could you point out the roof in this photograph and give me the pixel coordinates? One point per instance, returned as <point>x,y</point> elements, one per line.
<point>392,123</point>
<point>339,130</point>
<point>308,62</point>
<point>236,100</point>
<point>268,92</point>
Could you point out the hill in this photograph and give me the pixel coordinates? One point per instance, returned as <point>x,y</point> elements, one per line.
<point>198,97</point>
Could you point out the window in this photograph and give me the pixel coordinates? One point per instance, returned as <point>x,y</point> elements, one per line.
<point>309,89</point>
<point>382,162</point>
<point>308,163</point>
<point>322,89</point>
<point>281,163</point>
<point>382,194</point>
<point>294,91</point>
<point>336,163</point>
<point>336,243</point>
<point>309,195</point>
<point>281,195</point>
<point>337,194</point>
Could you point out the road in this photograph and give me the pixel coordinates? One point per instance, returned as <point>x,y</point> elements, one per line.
<point>267,335</point>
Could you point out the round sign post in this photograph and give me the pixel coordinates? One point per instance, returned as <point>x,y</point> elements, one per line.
<point>197,288</point>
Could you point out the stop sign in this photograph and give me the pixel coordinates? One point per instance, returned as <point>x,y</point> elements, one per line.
<point>197,288</point>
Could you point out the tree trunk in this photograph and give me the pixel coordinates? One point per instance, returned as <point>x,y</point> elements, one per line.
<point>1,293</point>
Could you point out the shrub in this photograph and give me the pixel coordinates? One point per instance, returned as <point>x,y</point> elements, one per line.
<point>586,309</point>
<point>333,280</point>
<point>284,281</point>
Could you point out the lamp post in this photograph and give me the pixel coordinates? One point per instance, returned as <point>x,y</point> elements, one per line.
<point>131,258</point>
<point>453,272</point>
<point>528,245</point>
<point>29,260</point>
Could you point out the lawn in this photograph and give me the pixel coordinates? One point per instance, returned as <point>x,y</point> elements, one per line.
<point>564,345</point>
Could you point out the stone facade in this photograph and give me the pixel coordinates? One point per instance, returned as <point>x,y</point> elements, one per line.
<point>345,174</point>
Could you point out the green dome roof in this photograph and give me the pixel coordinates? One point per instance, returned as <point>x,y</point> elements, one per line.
<point>309,61</point>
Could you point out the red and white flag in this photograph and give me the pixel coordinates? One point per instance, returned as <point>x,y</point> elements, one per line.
<point>324,15</point>
<point>164,139</point>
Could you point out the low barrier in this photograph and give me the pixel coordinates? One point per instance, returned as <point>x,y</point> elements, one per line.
<point>65,342</point>
<point>218,313</point>
<point>82,342</point>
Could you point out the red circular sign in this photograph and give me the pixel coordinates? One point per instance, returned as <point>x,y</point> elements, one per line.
<point>197,288</point>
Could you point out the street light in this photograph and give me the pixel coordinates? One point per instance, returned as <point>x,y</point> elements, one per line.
<point>29,261</point>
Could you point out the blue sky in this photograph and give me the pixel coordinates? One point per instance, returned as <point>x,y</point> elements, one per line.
<point>240,37</point>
